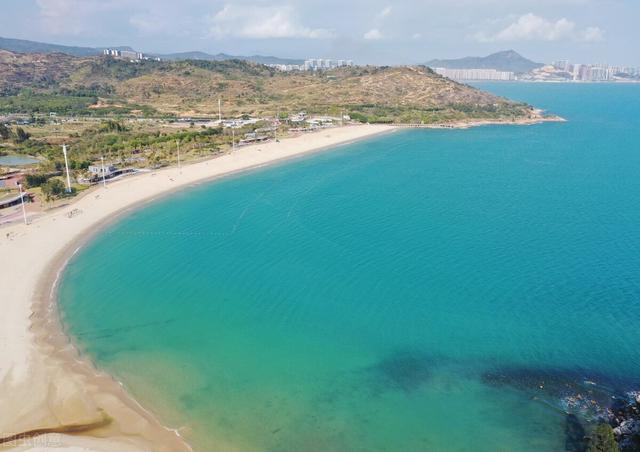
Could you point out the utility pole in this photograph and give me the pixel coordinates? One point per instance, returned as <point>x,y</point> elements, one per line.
<point>104,179</point>
<point>233,138</point>
<point>66,164</point>
<point>220,111</point>
<point>178,146</point>
<point>24,210</point>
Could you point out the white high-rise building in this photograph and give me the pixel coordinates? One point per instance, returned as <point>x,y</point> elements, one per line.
<point>475,74</point>
<point>561,65</point>
<point>315,64</point>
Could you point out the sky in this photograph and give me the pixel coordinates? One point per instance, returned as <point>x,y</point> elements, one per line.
<point>372,31</point>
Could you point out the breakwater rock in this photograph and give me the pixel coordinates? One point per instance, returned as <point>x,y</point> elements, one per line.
<point>596,406</point>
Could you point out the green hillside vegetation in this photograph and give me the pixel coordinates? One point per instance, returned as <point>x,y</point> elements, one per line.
<point>126,111</point>
<point>68,103</point>
<point>103,86</point>
<point>125,143</point>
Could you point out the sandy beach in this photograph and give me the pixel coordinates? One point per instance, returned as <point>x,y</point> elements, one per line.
<point>52,398</point>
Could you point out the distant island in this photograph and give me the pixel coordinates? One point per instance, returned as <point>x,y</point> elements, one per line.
<point>506,61</point>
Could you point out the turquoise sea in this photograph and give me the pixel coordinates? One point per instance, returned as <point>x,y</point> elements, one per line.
<point>427,290</point>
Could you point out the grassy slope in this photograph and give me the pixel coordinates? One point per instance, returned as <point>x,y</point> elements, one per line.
<point>399,94</point>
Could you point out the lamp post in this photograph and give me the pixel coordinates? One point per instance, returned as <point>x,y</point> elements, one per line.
<point>24,210</point>
<point>104,179</point>
<point>66,165</point>
<point>178,146</point>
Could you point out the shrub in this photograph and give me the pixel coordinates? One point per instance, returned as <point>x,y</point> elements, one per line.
<point>21,135</point>
<point>603,440</point>
<point>112,126</point>
<point>5,132</point>
<point>53,188</point>
<point>356,116</point>
<point>36,179</point>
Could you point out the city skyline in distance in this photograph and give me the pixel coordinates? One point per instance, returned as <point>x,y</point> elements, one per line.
<point>379,32</point>
<point>501,66</point>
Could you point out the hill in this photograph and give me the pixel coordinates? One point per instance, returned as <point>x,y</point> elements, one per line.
<point>509,61</point>
<point>40,83</point>
<point>223,56</point>
<point>24,46</point>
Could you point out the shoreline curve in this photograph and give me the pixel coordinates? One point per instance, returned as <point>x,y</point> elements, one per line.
<point>47,385</point>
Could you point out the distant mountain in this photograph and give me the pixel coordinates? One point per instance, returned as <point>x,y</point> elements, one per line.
<point>223,56</point>
<point>193,56</point>
<point>509,60</point>
<point>24,46</point>
<point>272,60</point>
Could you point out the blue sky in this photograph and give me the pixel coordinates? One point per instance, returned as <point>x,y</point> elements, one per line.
<point>373,31</point>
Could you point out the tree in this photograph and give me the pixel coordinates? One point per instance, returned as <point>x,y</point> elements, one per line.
<point>21,135</point>
<point>53,188</point>
<point>603,440</point>
<point>112,126</point>
<point>5,132</point>
<point>35,179</point>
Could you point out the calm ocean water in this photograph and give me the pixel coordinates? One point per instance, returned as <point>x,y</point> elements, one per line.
<point>426,290</point>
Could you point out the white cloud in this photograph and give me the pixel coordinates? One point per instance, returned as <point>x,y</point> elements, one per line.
<point>417,36</point>
<point>530,27</point>
<point>373,35</point>
<point>261,22</point>
<point>148,24</point>
<point>592,34</point>
<point>81,17</point>
<point>385,12</point>
<point>66,16</point>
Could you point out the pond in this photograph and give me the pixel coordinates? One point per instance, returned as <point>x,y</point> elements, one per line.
<point>17,160</point>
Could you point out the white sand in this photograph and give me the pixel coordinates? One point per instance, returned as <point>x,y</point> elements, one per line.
<point>43,383</point>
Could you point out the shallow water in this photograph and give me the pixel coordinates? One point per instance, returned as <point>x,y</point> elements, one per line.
<point>17,160</point>
<point>425,290</point>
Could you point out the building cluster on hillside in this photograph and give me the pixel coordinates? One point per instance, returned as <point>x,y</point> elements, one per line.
<point>475,74</point>
<point>313,64</point>
<point>597,72</point>
<point>563,70</point>
<point>128,55</point>
<point>318,64</point>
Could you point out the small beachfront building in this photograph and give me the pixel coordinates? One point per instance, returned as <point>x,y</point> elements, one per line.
<point>100,170</point>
